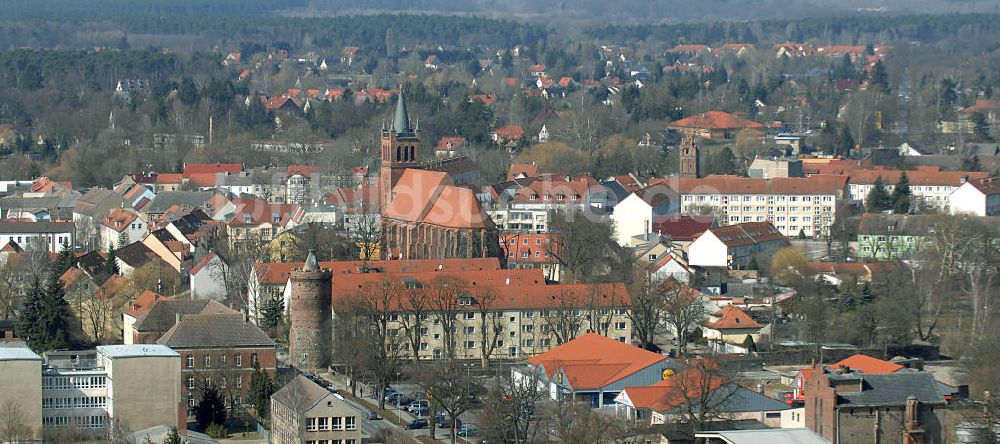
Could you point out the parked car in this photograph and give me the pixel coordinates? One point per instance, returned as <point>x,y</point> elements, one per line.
<point>397,399</point>
<point>421,411</point>
<point>417,424</point>
<point>468,430</point>
<point>416,405</point>
<point>373,416</point>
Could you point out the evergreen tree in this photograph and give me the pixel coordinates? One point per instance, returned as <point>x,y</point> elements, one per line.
<point>187,92</point>
<point>846,143</point>
<point>980,127</point>
<point>261,389</point>
<point>878,198</point>
<point>123,239</point>
<point>901,195</point>
<point>866,323</point>
<point>879,78</point>
<point>111,262</point>
<point>972,164</point>
<point>28,325</point>
<point>65,261</point>
<point>55,315</point>
<point>846,301</point>
<point>867,295</point>
<point>211,408</point>
<point>271,313</point>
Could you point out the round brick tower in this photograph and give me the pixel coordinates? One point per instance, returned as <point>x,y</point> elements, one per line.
<point>309,311</point>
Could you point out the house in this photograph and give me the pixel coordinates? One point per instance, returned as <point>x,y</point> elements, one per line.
<point>680,230</point>
<point>835,273</point>
<point>530,250</point>
<point>733,246</point>
<point>595,369</point>
<point>730,326</point>
<point>305,412</point>
<point>22,385</point>
<point>537,71</point>
<point>90,209</point>
<point>449,147</point>
<point>806,205</point>
<point>508,133</point>
<point>637,214</point>
<point>53,237</point>
<point>150,315</point>
<point>121,228</point>
<point>256,220</point>
<point>431,62</point>
<point>218,349</point>
<point>205,282</point>
<point>738,49</point>
<point>714,125</point>
<point>668,401</point>
<point>977,197</point>
<point>893,236</point>
<point>233,58</point>
<point>349,55</point>
<point>297,183</point>
<point>485,99</point>
<point>843,406</point>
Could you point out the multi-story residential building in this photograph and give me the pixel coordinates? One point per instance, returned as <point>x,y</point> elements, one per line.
<point>530,250</point>
<point>121,228</point>
<point>806,206</point>
<point>497,313</point>
<point>21,386</point>
<point>734,246</point>
<point>218,350</point>
<point>53,236</point>
<point>979,197</point>
<point>930,188</point>
<point>256,220</point>
<point>892,236</point>
<point>137,386</point>
<point>304,412</point>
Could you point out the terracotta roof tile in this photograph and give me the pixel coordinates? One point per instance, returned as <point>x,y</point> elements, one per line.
<point>731,317</point>
<point>202,168</point>
<point>715,120</point>
<point>593,361</point>
<point>867,364</point>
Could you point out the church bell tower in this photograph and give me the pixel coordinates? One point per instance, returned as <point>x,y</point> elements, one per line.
<point>400,150</point>
<point>689,167</point>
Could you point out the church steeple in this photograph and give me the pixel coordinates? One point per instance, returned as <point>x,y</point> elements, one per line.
<point>401,122</point>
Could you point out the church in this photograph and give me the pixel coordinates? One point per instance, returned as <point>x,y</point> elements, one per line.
<point>424,214</point>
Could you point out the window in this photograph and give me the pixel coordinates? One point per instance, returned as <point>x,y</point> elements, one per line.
<point>470,330</point>
<point>529,342</point>
<point>620,325</point>
<point>336,423</point>
<point>527,328</point>
<point>239,381</point>
<point>253,359</point>
<point>470,344</point>
<point>469,315</point>
<point>349,423</point>
<point>190,382</point>
<point>423,346</point>
<point>312,424</point>
<point>423,331</point>
<point>222,382</point>
<point>652,257</point>
<point>222,361</point>
<point>323,423</point>
<point>208,361</point>
<point>189,361</point>
<point>528,313</point>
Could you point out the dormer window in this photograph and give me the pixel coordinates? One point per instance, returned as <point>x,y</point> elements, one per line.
<point>247,218</point>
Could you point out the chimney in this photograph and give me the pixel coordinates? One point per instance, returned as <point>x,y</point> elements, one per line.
<point>913,433</point>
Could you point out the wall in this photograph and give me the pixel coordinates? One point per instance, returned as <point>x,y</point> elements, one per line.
<point>859,425</point>
<point>632,217</point>
<point>708,251</point>
<point>21,383</point>
<point>145,391</point>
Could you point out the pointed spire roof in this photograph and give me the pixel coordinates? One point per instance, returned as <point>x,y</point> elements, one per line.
<point>401,122</point>
<point>312,264</point>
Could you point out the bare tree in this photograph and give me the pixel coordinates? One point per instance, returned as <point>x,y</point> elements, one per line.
<point>102,312</point>
<point>350,330</point>
<point>415,305</point>
<point>11,283</point>
<point>378,303</point>
<point>683,309</point>
<point>491,325</point>
<point>450,387</point>
<point>648,309</point>
<point>12,427</point>
<point>699,393</point>
<point>515,410</point>
<point>445,295</point>
<point>368,233</point>
<point>565,317</point>
<point>579,423</point>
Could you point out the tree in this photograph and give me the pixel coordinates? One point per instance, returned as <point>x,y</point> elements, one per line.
<point>878,199</point>
<point>111,262</point>
<point>901,195</point>
<point>44,321</point>
<point>788,265</point>
<point>272,313</point>
<point>187,92</point>
<point>980,127</point>
<point>12,427</point>
<point>647,310</point>
<point>491,325</point>
<point>683,310</point>
<point>583,244</point>
<point>123,239</point>
<point>879,78</point>
<point>377,302</point>
<point>450,387</point>
<point>556,157</point>
<point>173,437</point>
<point>514,410</point>
<point>749,143</point>
<point>846,143</point>
<point>211,408</point>
<point>261,389</point>
<point>65,261</point>
<point>699,393</point>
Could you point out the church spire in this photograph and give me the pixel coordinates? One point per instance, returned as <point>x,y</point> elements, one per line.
<point>401,122</point>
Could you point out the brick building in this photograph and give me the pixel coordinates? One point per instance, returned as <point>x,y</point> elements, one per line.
<point>218,350</point>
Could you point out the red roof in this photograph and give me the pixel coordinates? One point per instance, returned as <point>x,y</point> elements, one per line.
<point>867,364</point>
<point>305,170</point>
<point>519,169</point>
<point>276,273</point>
<point>486,99</point>
<point>715,120</point>
<point>430,197</point>
<point>674,391</point>
<point>209,168</point>
<point>731,317</point>
<point>916,177</point>
<point>747,233</point>
<point>509,132</point>
<point>119,219</point>
<point>450,143</point>
<point>142,303</point>
<point>170,178</point>
<point>593,361</point>
<point>683,227</point>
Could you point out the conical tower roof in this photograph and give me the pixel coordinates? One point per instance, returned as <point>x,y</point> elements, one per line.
<point>401,122</point>
<point>311,263</point>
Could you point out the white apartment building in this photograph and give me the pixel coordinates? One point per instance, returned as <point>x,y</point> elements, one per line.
<point>511,219</point>
<point>929,188</point>
<point>805,205</point>
<point>977,198</point>
<point>53,235</point>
